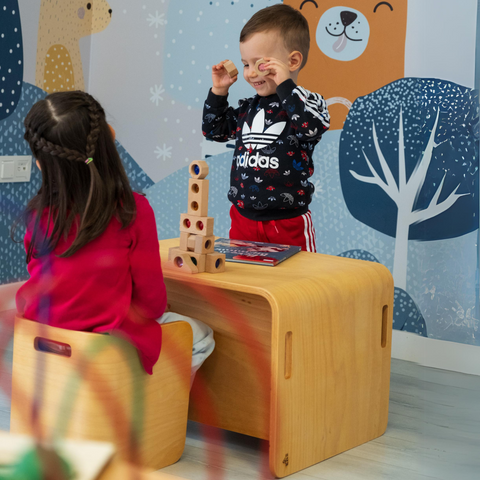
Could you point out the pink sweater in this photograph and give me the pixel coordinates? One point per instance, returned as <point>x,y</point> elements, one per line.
<point>113,284</point>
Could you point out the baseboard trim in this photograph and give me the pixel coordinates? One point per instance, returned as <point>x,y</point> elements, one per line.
<point>457,357</point>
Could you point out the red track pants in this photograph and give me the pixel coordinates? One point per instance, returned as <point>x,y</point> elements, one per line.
<point>291,231</point>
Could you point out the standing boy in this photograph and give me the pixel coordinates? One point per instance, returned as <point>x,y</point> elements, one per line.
<point>275,131</point>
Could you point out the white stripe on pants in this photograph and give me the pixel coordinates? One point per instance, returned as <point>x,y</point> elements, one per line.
<point>309,232</point>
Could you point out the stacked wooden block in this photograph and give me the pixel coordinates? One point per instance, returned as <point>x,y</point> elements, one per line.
<point>196,251</point>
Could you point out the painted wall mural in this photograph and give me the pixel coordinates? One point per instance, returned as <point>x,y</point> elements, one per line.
<point>417,213</point>
<point>16,99</point>
<point>61,25</point>
<point>11,57</point>
<point>370,203</point>
<point>408,152</point>
<point>409,163</point>
<point>356,47</point>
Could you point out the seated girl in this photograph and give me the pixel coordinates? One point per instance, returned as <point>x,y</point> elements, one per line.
<point>91,243</point>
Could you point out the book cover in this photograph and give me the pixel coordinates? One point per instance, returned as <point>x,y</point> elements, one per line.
<point>258,253</point>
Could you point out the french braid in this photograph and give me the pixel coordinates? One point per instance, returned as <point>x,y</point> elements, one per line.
<point>90,194</point>
<point>58,151</point>
<point>94,113</point>
<point>41,144</point>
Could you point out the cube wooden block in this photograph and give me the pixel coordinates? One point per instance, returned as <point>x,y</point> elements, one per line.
<point>230,68</point>
<point>198,197</point>
<point>182,260</point>
<point>197,225</point>
<point>198,169</point>
<point>201,244</point>
<point>171,252</point>
<point>184,236</point>
<point>197,259</point>
<point>215,262</point>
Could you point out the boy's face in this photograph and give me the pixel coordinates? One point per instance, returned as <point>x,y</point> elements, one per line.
<point>262,45</point>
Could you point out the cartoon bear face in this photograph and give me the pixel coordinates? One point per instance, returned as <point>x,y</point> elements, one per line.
<point>356,47</point>
<point>92,16</point>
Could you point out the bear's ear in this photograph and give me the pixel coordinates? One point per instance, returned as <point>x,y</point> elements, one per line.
<point>81,13</point>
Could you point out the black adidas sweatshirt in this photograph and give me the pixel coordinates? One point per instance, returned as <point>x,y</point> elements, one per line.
<point>275,137</point>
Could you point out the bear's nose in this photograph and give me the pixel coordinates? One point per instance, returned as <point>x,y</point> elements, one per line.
<point>110,12</point>
<point>347,17</point>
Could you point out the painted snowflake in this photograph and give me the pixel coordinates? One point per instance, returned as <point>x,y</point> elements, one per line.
<point>165,152</point>
<point>156,20</point>
<point>156,92</point>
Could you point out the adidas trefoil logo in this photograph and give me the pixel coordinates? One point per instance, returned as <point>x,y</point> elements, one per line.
<point>255,137</point>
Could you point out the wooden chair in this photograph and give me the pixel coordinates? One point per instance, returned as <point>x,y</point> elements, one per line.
<point>92,386</point>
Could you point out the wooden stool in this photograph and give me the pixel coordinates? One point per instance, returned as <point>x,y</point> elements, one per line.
<point>92,386</point>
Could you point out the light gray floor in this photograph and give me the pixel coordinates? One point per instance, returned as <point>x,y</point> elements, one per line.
<point>433,433</point>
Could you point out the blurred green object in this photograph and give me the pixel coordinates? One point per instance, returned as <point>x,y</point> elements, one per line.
<point>40,463</point>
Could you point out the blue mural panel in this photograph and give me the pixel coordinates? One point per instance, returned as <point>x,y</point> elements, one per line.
<point>406,314</point>
<point>15,196</point>
<point>139,180</point>
<point>11,57</point>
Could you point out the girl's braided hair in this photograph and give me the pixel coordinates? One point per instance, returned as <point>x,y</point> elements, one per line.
<point>64,131</point>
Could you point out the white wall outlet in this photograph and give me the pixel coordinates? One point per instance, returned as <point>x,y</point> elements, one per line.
<point>15,168</point>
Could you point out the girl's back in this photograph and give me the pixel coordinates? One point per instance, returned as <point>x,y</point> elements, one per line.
<point>92,247</point>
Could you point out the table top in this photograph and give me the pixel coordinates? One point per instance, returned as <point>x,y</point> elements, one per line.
<point>303,269</point>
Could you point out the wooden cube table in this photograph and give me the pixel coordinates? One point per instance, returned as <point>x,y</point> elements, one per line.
<point>302,356</point>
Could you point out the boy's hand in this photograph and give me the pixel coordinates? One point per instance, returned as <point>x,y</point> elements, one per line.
<point>279,71</point>
<point>221,79</point>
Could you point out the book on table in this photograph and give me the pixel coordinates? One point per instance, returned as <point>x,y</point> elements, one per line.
<point>258,253</point>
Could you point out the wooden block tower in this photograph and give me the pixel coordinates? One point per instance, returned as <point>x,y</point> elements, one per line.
<point>196,251</point>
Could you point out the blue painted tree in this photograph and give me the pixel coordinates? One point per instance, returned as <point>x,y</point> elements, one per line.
<point>11,57</point>
<point>408,163</point>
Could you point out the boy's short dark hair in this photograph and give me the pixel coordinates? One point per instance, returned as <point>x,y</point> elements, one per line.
<point>289,23</point>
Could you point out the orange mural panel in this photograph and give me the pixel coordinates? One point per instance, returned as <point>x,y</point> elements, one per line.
<point>356,47</point>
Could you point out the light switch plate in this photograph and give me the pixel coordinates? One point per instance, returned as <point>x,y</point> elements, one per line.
<point>15,168</point>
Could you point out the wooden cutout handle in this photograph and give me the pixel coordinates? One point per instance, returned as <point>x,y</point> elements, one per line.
<point>51,346</point>
<point>288,355</point>
<point>384,325</point>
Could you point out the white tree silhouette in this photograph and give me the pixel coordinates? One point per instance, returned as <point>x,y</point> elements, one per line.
<point>405,193</point>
